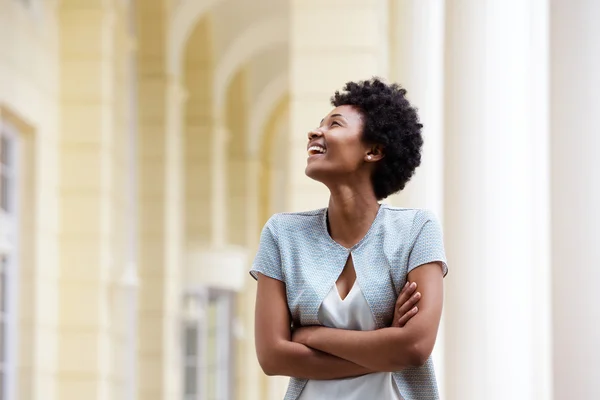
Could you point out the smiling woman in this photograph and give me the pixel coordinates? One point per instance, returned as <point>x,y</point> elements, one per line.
<point>344,278</point>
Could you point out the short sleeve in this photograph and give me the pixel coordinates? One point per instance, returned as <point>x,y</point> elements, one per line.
<point>268,258</point>
<point>429,242</point>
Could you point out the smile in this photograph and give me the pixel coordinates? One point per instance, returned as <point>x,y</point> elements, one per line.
<point>312,150</point>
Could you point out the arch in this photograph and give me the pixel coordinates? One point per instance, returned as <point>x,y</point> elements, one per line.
<point>260,36</point>
<point>265,102</point>
<point>268,140</point>
<point>182,22</point>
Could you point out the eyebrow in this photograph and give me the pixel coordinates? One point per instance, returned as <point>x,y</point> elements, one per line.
<point>333,115</point>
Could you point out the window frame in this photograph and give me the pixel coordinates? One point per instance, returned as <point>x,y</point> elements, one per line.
<point>9,248</point>
<point>196,312</point>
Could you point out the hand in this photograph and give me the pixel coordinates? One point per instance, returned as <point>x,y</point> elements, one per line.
<point>301,334</point>
<point>406,305</point>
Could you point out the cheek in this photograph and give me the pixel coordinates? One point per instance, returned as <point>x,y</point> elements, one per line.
<point>351,155</point>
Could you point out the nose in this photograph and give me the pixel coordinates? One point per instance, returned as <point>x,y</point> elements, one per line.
<point>314,133</point>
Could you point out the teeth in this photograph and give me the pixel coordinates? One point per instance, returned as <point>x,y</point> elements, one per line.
<point>317,149</point>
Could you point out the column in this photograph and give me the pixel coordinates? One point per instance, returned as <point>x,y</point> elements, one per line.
<point>251,175</point>
<point>219,183</point>
<point>496,201</point>
<point>160,159</point>
<point>236,109</point>
<point>123,275</point>
<point>417,52</point>
<point>322,60</point>
<point>575,80</point>
<point>276,200</point>
<point>198,132</point>
<point>248,372</point>
<point>129,280</point>
<point>86,206</point>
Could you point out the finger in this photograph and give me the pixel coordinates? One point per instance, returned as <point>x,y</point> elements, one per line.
<point>406,292</point>
<point>406,317</point>
<point>405,295</point>
<point>407,302</point>
<point>410,303</point>
<point>404,289</point>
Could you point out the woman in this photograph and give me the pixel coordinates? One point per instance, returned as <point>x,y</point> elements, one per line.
<point>331,311</point>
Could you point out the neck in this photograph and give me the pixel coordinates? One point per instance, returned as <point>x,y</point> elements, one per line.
<point>351,213</point>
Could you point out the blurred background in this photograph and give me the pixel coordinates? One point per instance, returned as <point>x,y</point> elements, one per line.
<point>144,143</point>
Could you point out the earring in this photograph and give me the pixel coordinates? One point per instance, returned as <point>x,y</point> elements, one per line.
<point>369,158</point>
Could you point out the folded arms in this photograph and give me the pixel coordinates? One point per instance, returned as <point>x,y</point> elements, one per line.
<point>327,353</point>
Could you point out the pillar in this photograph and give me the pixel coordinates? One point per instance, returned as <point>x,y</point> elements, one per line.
<point>198,77</point>
<point>123,317</point>
<point>575,80</point>
<point>268,159</point>
<point>416,63</point>
<point>86,206</point>
<point>279,168</point>
<point>496,201</point>
<point>160,158</point>
<point>247,371</point>
<point>259,176</point>
<point>322,60</point>
<point>237,113</point>
<point>218,168</point>
<point>417,54</point>
<point>128,279</point>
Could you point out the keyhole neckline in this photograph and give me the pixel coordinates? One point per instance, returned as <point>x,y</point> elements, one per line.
<point>361,241</point>
<point>337,290</point>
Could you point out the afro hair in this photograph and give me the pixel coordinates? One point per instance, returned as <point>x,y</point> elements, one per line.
<point>391,122</point>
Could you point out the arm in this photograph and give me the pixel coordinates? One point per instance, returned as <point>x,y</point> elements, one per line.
<point>277,354</point>
<point>388,349</point>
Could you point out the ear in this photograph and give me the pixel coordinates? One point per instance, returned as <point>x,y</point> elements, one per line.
<point>374,154</point>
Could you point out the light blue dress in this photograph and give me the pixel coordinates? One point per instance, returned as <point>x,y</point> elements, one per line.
<point>297,249</point>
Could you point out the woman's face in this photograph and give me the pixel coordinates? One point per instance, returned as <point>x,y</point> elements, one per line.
<point>335,148</point>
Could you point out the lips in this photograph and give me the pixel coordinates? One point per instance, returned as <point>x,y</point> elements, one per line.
<point>312,150</point>
<point>316,149</point>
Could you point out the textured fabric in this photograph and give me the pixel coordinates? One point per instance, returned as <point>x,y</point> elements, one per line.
<point>296,249</point>
<point>351,313</point>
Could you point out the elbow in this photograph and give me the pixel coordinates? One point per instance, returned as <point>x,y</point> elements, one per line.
<point>419,354</point>
<point>270,361</point>
<point>268,371</point>
<point>267,364</point>
<point>413,356</point>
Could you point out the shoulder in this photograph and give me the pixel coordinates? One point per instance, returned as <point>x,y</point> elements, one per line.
<point>413,217</point>
<point>282,224</point>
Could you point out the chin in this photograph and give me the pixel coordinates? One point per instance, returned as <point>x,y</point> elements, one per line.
<point>308,171</point>
<point>320,175</point>
<point>313,173</point>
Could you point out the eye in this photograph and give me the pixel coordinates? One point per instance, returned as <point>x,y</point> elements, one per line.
<point>336,123</point>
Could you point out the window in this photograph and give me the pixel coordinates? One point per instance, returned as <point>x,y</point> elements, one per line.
<point>8,260</point>
<point>190,361</point>
<point>208,345</point>
<point>5,173</point>
<point>3,323</point>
